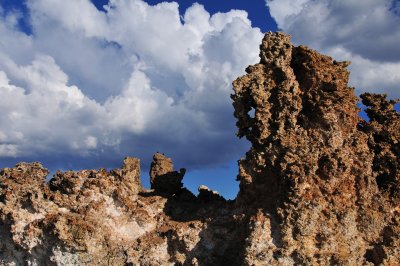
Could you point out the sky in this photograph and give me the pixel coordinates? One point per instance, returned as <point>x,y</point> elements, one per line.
<point>85,83</point>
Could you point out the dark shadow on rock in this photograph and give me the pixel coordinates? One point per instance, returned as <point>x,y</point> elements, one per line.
<point>223,236</point>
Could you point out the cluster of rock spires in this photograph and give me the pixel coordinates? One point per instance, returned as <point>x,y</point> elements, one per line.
<point>319,186</point>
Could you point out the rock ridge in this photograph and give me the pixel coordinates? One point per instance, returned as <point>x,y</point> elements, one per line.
<point>319,186</point>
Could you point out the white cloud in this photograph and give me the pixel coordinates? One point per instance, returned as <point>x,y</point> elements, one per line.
<point>132,80</point>
<point>91,142</point>
<point>364,32</point>
<point>8,150</point>
<point>77,15</point>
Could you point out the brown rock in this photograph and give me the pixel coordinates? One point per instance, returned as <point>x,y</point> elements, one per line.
<point>329,178</point>
<point>131,173</point>
<point>163,178</point>
<point>319,186</point>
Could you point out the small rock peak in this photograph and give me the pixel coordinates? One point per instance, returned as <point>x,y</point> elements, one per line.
<point>23,170</point>
<point>126,178</point>
<point>23,166</point>
<point>202,187</point>
<point>276,49</point>
<point>207,195</point>
<point>163,178</point>
<point>131,173</point>
<point>379,108</point>
<point>161,165</point>
<point>131,164</point>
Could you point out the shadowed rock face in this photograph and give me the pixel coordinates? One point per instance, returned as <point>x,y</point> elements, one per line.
<point>319,186</point>
<point>163,178</point>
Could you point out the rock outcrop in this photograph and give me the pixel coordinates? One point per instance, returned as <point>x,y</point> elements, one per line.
<point>319,186</point>
<point>327,178</point>
<point>103,218</point>
<point>163,178</point>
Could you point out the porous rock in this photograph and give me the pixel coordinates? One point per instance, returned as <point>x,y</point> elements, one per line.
<point>319,186</point>
<point>325,177</point>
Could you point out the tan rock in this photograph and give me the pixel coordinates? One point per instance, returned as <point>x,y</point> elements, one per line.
<point>329,177</point>
<point>319,186</point>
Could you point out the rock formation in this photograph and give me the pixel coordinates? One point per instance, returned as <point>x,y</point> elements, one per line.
<point>319,186</point>
<point>329,178</point>
<point>163,178</point>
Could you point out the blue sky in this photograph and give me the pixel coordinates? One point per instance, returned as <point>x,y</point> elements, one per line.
<point>83,84</point>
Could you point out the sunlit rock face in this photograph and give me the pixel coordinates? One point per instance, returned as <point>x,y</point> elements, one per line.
<point>319,186</point>
<point>329,179</point>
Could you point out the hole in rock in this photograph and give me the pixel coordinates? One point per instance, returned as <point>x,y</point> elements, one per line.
<point>397,107</point>
<point>362,112</point>
<point>27,204</point>
<point>2,198</point>
<point>252,113</point>
<point>50,175</point>
<point>383,180</point>
<point>375,255</point>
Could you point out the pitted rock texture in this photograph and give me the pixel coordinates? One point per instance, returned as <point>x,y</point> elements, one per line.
<point>326,178</point>
<point>319,186</point>
<point>104,217</point>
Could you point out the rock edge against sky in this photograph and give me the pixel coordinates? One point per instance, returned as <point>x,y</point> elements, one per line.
<point>319,186</point>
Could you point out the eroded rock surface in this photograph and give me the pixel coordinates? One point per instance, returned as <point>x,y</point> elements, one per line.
<point>104,217</point>
<point>326,180</point>
<point>319,186</point>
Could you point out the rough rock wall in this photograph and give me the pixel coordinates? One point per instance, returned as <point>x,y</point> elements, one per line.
<point>328,178</point>
<point>104,217</point>
<point>319,186</point>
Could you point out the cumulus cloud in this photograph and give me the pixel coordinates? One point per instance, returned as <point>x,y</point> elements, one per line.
<point>130,80</point>
<point>364,32</point>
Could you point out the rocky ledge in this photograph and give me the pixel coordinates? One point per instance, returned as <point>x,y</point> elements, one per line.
<point>319,186</point>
